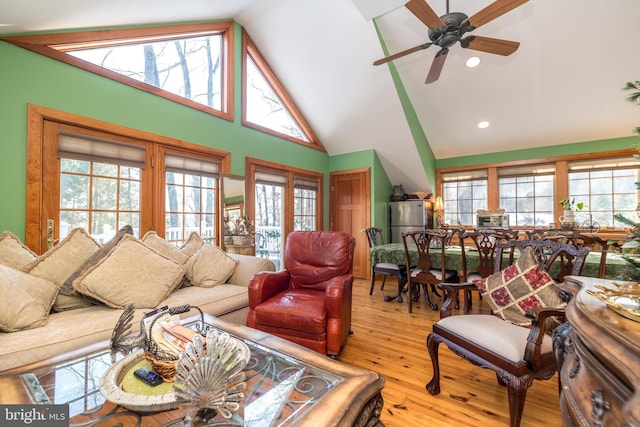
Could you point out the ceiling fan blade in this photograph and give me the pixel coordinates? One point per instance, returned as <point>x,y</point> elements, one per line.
<point>436,66</point>
<point>493,11</point>
<point>490,45</point>
<point>423,12</point>
<point>400,54</point>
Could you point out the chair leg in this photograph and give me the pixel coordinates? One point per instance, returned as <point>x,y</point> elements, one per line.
<point>384,277</point>
<point>433,306</point>
<point>373,282</point>
<point>433,341</point>
<point>410,296</point>
<point>517,389</point>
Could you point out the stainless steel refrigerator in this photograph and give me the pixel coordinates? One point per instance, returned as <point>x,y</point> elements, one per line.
<point>408,215</point>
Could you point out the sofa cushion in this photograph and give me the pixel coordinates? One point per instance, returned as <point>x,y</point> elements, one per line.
<point>68,298</point>
<point>132,273</point>
<point>520,287</point>
<point>210,266</point>
<point>156,242</point>
<point>25,300</point>
<point>65,258</point>
<point>13,252</point>
<point>192,245</point>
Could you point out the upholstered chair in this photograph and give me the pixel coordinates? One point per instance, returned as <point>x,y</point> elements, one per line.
<point>309,302</point>
<point>524,300</point>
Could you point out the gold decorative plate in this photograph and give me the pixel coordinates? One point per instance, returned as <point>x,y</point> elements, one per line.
<point>624,299</point>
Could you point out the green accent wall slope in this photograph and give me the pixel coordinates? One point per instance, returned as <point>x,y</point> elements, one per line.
<point>417,132</point>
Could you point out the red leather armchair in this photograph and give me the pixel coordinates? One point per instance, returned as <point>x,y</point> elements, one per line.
<point>309,302</point>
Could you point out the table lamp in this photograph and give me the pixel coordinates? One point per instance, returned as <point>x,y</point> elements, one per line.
<point>438,207</point>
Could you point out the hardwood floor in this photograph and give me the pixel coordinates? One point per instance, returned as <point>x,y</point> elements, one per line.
<point>389,340</point>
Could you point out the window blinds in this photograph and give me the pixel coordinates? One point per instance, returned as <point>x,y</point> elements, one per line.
<point>82,147</point>
<point>178,163</point>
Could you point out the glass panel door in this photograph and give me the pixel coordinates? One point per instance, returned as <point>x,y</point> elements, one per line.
<point>269,221</point>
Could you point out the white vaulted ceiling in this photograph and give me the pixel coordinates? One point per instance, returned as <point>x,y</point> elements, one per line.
<point>563,84</point>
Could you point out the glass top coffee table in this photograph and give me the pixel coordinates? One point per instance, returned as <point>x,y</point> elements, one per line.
<point>287,385</point>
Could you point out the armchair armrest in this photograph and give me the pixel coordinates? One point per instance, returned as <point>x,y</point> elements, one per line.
<point>265,284</point>
<point>451,297</point>
<point>532,353</point>
<point>336,291</point>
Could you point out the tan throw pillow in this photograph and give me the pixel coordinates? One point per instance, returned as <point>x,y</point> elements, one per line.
<point>132,273</point>
<point>156,242</point>
<point>210,266</point>
<point>65,258</point>
<point>192,245</point>
<point>13,252</point>
<point>25,300</point>
<point>518,288</point>
<point>67,286</point>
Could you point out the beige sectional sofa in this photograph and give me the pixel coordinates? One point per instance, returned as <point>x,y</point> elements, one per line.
<point>39,330</point>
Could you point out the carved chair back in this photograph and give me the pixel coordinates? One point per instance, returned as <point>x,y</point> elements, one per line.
<point>570,259</point>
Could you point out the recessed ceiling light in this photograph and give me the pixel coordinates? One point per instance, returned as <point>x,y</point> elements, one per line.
<point>473,62</point>
<point>483,124</point>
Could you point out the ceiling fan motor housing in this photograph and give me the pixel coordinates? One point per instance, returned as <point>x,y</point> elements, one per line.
<point>447,36</point>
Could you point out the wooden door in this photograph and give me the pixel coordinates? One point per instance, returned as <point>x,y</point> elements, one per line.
<point>350,211</point>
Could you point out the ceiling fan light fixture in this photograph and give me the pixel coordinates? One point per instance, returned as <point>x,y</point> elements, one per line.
<point>483,124</point>
<point>473,62</point>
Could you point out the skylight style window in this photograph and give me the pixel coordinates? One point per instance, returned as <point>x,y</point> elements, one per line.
<point>187,67</point>
<point>266,105</point>
<point>190,64</point>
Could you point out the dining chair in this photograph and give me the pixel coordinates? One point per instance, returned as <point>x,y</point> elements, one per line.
<point>423,273</point>
<point>594,243</point>
<point>483,242</point>
<point>399,271</point>
<point>512,340</point>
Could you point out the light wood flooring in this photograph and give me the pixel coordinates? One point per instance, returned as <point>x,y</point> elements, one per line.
<point>389,340</point>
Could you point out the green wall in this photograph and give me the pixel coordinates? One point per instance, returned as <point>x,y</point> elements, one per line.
<point>26,77</point>
<point>630,142</point>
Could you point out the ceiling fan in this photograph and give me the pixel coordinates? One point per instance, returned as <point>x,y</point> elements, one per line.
<point>448,29</point>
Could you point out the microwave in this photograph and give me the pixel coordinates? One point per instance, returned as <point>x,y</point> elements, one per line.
<point>493,221</point>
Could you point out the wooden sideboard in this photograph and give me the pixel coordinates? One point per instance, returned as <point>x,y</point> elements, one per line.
<point>600,374</point>
<point>241,249</point>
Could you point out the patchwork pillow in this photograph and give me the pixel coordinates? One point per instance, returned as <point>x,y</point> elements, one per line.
<point>132,273</point>
<point>210,266</point>
<point>68,298</point>
<point>156,242</point>
<point>25,300</point>
<point>13,252</point>
<point>518,288</point>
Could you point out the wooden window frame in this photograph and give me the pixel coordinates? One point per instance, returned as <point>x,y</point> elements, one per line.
<point>253,164</point>
<point>561,182</point>
<point>249,49</point>
<point>42,44</point>
<point>38,169</point>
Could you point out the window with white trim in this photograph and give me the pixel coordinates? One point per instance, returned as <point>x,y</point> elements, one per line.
<point>606,187</point>
<point>463,194</point>
<point>526,194</point>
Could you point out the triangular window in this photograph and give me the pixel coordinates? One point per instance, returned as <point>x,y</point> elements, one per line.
<point>267,106</point>
<point>185,63</point>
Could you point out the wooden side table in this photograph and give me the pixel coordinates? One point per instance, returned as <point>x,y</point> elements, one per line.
<point>241,249</point>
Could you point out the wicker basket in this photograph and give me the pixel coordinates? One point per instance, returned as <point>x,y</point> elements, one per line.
<point>242,240</point>
<point>166,368</point>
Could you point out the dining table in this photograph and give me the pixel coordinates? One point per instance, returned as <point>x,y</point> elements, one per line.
<point>617,267</point>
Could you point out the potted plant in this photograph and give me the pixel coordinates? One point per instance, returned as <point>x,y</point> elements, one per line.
<point>568,219</point>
